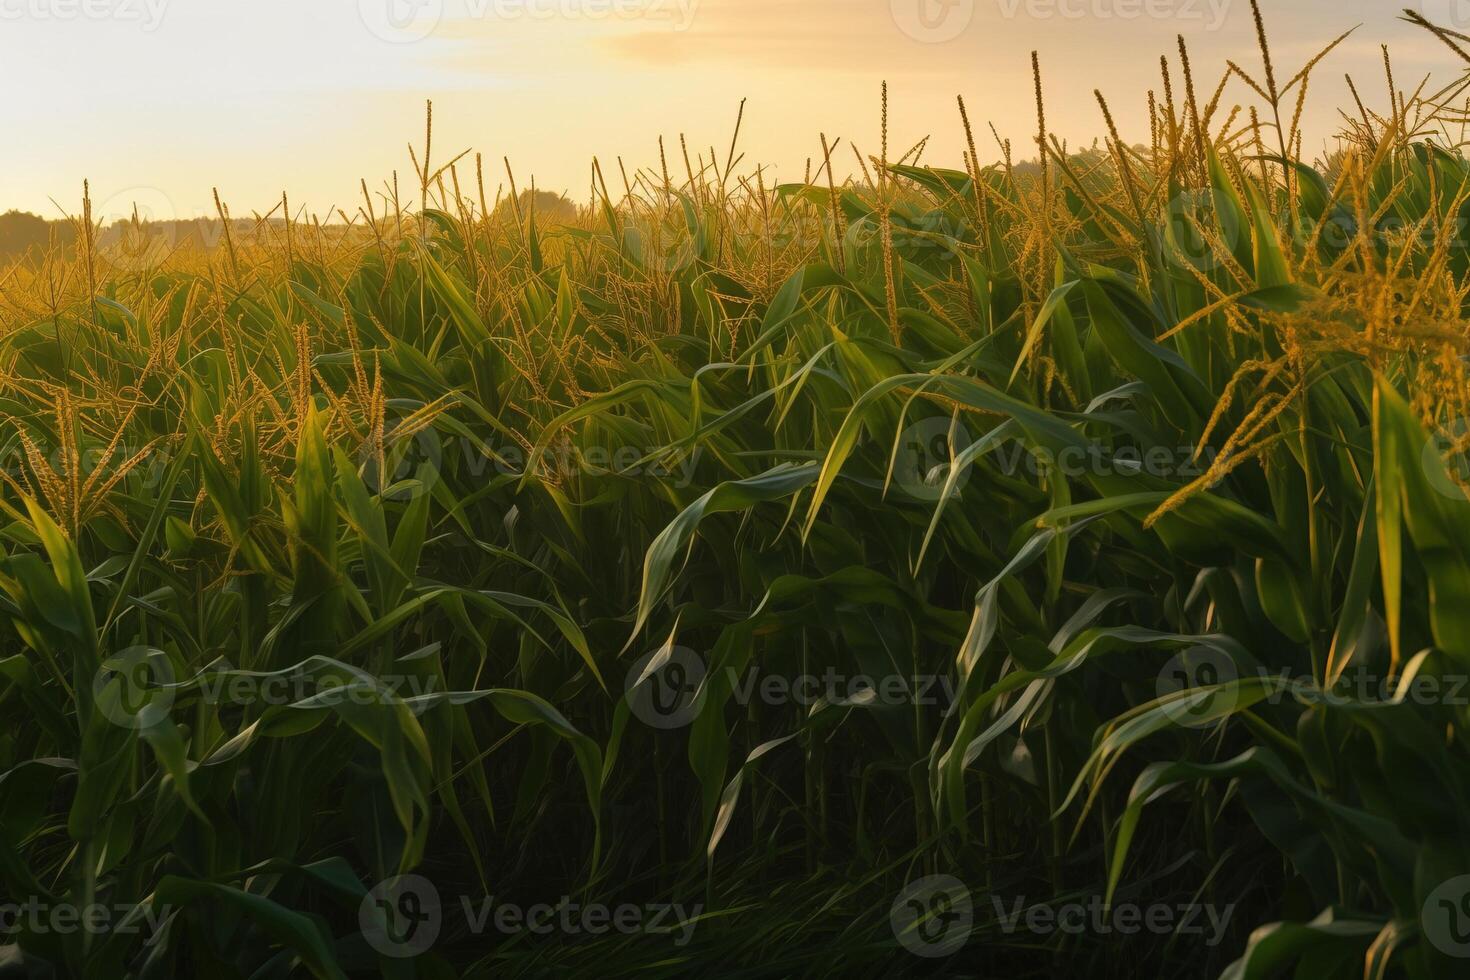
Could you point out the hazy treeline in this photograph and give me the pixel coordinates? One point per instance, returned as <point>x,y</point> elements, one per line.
<point>23,231</point>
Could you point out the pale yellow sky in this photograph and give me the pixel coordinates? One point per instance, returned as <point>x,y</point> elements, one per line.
<point>159,100</point>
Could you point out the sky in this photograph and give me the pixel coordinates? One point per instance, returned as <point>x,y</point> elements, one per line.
<point>159,101</point>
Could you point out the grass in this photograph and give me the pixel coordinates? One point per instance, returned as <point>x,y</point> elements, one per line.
<point>328,555</point>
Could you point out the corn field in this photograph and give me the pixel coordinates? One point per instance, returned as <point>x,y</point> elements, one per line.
<point>1059,566</point>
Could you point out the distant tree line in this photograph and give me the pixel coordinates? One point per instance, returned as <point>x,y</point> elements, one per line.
<point>21,231</point>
